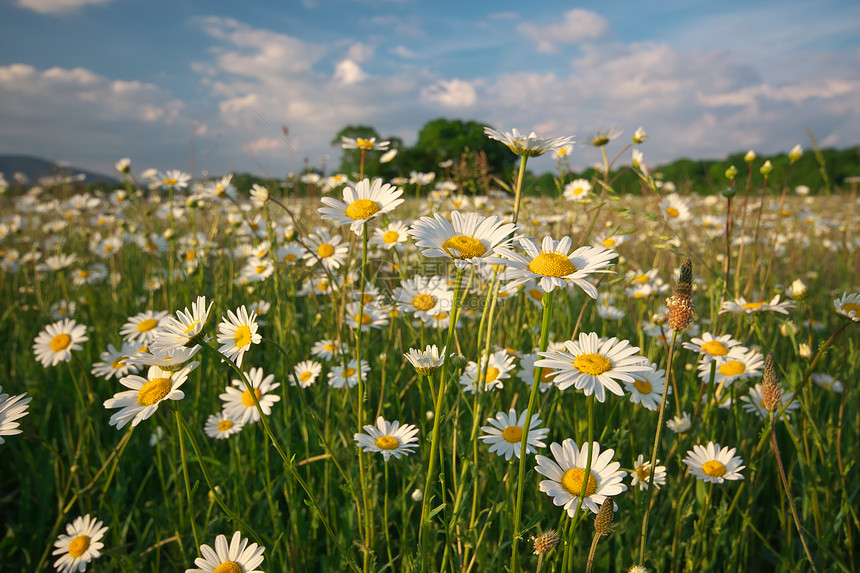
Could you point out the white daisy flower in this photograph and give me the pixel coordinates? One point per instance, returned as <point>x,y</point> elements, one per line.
<point>79,545</point>
<point>363,143</point>
<point>466,239</point>
<point>641,474</point>
<point>530,145</point>
<point>326,349</point>
<point>115,363</point>
<point>737,365</point>
<point>145,394</point>
<point>290,253</point>
<point>372,316</point>
<point>740,305</point>
<point>140,328</point>
<point>427,362</point>
<point>423,297</point>
<point>577,190</point>
<point>325,249</point>
<point>237,333</point>
<point>11,409</point>
<point>388,438</point>
<point>526,372</point>
<point>393,236</point>
<point>712,464</point>
<point>827,381</point>
<point>166,360</point>
<point>56,342</point>
<point>339,376</point>
<point>238,557</point>
<point>554,265</point>
<point>505,433</point>
<point>221,426</point>
<point>848,305</point>
<point>173,178</point>
<point>239,403</point>
<point>178,332</point>
<point>307,372</point>
<point>675,209</point>
<point>497,368</point>
<point>647,387</point>
<point>566,475</point>
<point>362,203</point>
<point>594,365</point>
<point>714,348</point>
<point>680,424</point>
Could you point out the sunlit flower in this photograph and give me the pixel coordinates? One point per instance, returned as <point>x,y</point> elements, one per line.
<point>363,143</point>
<point>221,426</point>
<point>740,305</point>
<point>675,209</point>
<point>647,387</point>
<point>325,249</point>
<point>173,178</point>
<point>497,368</point>
<point>239,403</point>
<point>236,333</point>
<point>238,557</point>
<point>180,331</point>
<point>326,349</point>
<point>738,364</point>
<point>848,305</point>
<point>827,381</point>
<point>427,362</point>
<point>11,409</point>
<point>79,545</point>
<point>141,328</point>
<point>388,438</point>
<point>307,372</point>
<point>466,239</point>
<point>711,347</point>
<point>604,136</point>
<point>712,464</point>
<point>505,433</point>
<point>372,316</point>
<point>577,190</point>
<point>362,203</point>
<point>393,236</point>
<point>566,475</point>
<point>594,365</point>
<point>115,363</point>
<point>56,342</point>
<point>554,265</point>
<point>680,423</point>
<point>752,402</point>
<point>146,394</point>
<point>530,145</point>
<point>640,136</point>
<point>641,474</point>
<point>341,376</point>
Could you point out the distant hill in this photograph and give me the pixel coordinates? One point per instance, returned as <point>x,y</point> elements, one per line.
<point>36,168</point>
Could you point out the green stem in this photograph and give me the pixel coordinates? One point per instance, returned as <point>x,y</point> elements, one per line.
<point>518,194</point>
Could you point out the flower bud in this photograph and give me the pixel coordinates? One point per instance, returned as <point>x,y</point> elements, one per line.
<point>795,153</point>
<point>750,156</point>
<point>546,541</point>
<point>417,495</point>
<point>804,350</point>
<point>731,173</point>
<point>639,136</point>
<point>603,521</point>
<point>681,303</point>
<point>771,393</point>
<point>767,168</point>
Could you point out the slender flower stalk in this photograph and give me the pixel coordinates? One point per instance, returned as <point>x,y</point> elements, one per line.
<point>602,526</point>
<point>521,476</point>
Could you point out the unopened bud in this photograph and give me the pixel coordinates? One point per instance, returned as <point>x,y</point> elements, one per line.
<point>417,495</point>
<point>795,153</point>
<point>750,156</point>
<point>731,173</point>
<point>804,350</point>
<point>767,168</point>
<point>681,303</point>
<point>459,361</point>
<point>788,328</point>
<point>603,521</point>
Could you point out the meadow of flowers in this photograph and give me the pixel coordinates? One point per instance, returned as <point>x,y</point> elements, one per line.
<point>394,375</point>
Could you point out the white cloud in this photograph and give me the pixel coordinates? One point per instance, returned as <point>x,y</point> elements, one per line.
<point>347,72</point>
<point>57,6</point>
<point>450,93</point>
<point>403,52</point>
<point>264,144</point>
<point>578,26</point>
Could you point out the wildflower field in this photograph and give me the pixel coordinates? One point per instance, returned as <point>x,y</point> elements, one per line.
<point>345,373</point>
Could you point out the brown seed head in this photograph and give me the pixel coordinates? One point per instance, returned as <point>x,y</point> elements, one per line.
<point>681,303</point>
<point>603,521</point>
<point>771,392</point>
<point>546,541</point>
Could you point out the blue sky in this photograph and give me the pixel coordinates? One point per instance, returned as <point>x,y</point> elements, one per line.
<point>206,85</point>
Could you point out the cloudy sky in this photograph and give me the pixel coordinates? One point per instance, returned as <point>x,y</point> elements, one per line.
<point>208,84</point>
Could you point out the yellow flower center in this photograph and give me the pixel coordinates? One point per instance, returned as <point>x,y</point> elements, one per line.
<point>228,567</point>
<point>170,181</point>
<point>329,347</point>
<point>672,212</point>
<point>60,342</point>
<point>536,294</point>
<point>367,298</point>
<point>365,319</point>
<point>714,468</point>
<point>468,247</point>
<point>441,316</point>
<point>572,482</point>
<point>305,376</point>
<point>424,302</point>
<point>260,268</point>
<point>639,295</point>
<point>191,327</point>
<point>78,546</point>
<point>190,255</point>
<point>715,348</point>
<point>513,434</point>
<point>550,264</point>
<point>492,374</point>
<point>732,368</point>
<point>289,257</point>
<point>785,212</point>
<point>390,237</point>
<point>325,250</point>
<point>641,279</point>
<point>248,400</point>
<point>84,274</point>
<point>643,386</point>
<point>847,308</point>
<point>578,191</point>
<point>349,372</point>
<point>146,325</point>
<point>362,209</point>
<point>387,443</point>
<point>609,243</point>
<point>754,305</point>
<point>242,338</point>
<point>225,425</point>
<point>643,472</point>
<point>364,144</point>
<point>118,363</point>
<point>153,391</point>
<point>593,364</point>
